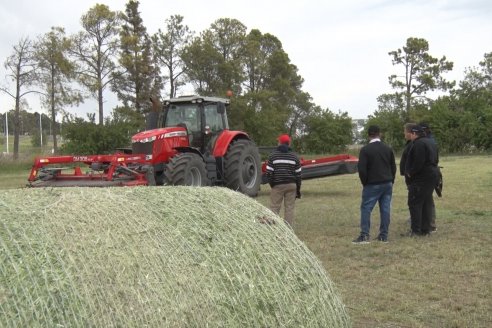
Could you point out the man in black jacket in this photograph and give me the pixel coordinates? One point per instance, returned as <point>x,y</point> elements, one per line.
<point>377,170</point>
<point>407,131</point>
<point>284,176</point>
<point>422,173</point>
<point>428,134</point>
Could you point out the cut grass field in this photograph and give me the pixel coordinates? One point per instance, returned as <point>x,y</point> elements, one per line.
<point>179,257</point>
<point>439,281</point>
<point>444,280</point>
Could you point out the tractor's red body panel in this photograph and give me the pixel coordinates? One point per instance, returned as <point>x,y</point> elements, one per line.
<point>164,142</point>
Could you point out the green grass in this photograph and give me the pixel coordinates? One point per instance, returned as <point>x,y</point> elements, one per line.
<point>25,145</point>
<point>444,280</point>
<point>439,281</point>
<point>14,173</point>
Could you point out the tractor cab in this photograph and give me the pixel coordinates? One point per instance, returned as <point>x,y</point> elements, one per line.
<point>202,117</point>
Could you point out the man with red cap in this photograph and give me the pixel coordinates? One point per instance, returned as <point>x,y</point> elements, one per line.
<point>284,176</point>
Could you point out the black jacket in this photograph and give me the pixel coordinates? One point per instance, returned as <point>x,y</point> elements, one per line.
<point>422,160</point>
<point>376,164</point>
<point>403,160</point>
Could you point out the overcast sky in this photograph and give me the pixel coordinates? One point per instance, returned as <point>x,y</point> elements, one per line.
<point>339,47</point>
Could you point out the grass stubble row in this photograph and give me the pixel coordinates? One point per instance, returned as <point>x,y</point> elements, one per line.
<point>155,257</point>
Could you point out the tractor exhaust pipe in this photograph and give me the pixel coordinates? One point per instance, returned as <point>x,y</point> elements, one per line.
<point>152,118</point>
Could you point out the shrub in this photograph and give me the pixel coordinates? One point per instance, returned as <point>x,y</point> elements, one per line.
<point>36,138</point>
<point>85,138</point>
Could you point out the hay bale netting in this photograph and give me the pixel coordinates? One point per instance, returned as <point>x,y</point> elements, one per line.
<point>155,256</point>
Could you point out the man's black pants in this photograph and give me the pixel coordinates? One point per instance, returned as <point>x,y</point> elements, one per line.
<point>420,205</point>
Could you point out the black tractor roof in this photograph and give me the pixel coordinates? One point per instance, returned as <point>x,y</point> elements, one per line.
<point>196,99</point>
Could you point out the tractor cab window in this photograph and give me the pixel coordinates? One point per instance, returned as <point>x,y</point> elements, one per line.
<point>213,119</point>
<point>184,114</point>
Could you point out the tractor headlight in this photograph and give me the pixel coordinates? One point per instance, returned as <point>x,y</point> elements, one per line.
<point>175,134</point>
<point>149,139</point>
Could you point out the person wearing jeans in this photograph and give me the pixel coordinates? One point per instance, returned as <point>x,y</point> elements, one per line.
<point>372,194</point>
<point>377,170</point>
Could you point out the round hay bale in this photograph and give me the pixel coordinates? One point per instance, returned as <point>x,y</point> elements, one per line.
<point>155,257</point>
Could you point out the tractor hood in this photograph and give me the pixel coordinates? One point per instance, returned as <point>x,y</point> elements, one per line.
<point>151,135</point>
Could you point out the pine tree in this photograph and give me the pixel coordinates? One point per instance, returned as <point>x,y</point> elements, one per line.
<point>55,74</point>
<point>134,83</point>
<point>95,50</point>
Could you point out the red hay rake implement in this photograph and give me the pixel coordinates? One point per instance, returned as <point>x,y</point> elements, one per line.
<point>99,171</point>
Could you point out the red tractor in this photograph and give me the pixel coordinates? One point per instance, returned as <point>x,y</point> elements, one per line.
<point>187,143</point>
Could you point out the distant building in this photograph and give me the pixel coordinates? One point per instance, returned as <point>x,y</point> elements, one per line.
<point>357,130</point>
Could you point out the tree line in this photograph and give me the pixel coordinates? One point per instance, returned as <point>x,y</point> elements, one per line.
<point>461,119</point>
<point>114,52</point>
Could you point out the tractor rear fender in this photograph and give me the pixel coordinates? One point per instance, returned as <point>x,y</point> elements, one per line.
<point>225,139</point>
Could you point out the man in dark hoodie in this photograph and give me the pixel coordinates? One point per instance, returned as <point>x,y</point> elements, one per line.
<point>284,176</point>
<point>422,173</point>
<point>377,170</point>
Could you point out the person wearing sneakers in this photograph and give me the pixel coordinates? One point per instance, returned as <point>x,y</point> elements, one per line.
<point>377,170</point>
<point>284,176</point>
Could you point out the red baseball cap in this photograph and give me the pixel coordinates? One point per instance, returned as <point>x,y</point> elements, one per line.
<point>284,139</point>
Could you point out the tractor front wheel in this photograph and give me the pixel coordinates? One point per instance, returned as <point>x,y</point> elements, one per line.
<point>186,169</point>
<point>242,167</point>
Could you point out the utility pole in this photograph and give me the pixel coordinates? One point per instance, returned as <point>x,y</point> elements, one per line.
<point>41,130</point>
<point>7,129</point>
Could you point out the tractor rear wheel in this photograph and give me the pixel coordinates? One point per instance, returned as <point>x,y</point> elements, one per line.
<point>186,169</point>
<point>242,167</point>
